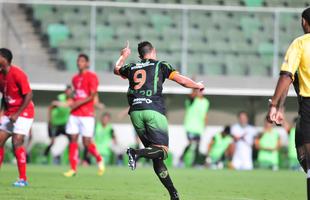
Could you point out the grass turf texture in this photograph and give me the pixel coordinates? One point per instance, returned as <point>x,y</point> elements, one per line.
<point>47,182</point>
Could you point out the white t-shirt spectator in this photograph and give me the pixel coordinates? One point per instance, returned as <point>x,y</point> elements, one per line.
<point>242,158</point>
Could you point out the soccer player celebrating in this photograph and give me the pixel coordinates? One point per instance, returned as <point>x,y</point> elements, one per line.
<point>147,109</point>
<point>82,120</point>
<point>295,68</point>
<point>17,111</point>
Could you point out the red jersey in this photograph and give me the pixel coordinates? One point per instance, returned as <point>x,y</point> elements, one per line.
<point>84,84</point>
<point>13,86</point>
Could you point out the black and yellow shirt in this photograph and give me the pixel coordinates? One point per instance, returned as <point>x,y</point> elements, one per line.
<point>297,59</point>
<point>146,80</point>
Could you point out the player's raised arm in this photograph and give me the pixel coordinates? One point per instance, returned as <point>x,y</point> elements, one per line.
<point>187,82</point>
<point>121,61</point>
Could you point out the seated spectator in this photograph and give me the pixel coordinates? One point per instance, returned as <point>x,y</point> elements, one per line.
<point>220,149</point>
<point>268,144</point>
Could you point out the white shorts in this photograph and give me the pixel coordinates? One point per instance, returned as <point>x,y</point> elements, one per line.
<point>81,125</point>
<point>22,125</point>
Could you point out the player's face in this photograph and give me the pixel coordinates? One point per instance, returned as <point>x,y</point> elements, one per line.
<point>243,119</point>
<point>105,120</point>
<point>153,53</point>
<point>305,25</point>
<point>82,63</point>
<point>3,63</point>
<point>68,92</point>
<point>267,125</point>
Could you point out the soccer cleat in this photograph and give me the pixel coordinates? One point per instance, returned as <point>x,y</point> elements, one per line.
<point>70,173</point>
<point>101,168</point>
<point>132,158</point>
<point>20,183</point>
<point>174,196</point>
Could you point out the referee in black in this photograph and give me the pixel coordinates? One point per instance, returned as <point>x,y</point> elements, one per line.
<point>296,69</point>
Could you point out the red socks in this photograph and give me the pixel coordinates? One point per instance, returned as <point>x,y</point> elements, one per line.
<point>74,155</point>
<point>20,154</point>
<point>1,155</point>
<point>93,151</point>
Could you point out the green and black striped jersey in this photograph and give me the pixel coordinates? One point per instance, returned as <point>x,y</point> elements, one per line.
<point>146,79</point>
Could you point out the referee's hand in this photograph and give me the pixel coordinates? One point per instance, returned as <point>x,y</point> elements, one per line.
<point>275,116</point>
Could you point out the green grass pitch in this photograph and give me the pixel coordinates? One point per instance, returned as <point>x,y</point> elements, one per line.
<point>47,182</point>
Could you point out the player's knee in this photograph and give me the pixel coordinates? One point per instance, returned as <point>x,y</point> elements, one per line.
<point>17,141</point>
<point>86,142</point>
<point>164,149</point>
<point>73,138</point>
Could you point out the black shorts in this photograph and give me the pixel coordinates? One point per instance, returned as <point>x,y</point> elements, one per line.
<point>303,124</point>
<point>151,127</point>
<point>54,131</point>
<point>193,136</point>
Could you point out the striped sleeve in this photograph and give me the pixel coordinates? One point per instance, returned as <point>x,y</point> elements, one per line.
<point>292,59</point>
<point>168,71</point>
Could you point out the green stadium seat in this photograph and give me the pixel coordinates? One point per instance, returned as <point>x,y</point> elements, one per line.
<point>249,25</point>
<point>104,34</point>
<point>102,64</point>
<point>69,57</point>
<point>253,3</point>
<point>160,22</point>
<point>57,33</point>
<point>41,11</point>
<point>234,65</point>
<point>266,48</point>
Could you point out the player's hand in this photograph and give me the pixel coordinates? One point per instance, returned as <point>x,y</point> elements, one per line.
<point>74,106</point>
<point>126,51</point>
<point>201,86</point>
<point>271,116</point>
<point>13,117</point>
<point>279,118</point>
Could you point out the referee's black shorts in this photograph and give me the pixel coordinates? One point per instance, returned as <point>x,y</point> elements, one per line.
<point>303,127</point>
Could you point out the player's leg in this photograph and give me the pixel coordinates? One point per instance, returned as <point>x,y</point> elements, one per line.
<point>163,175</point>
<point>152,129</point>
<point>21,128</point>
<point>304,133</point>
<point>72,130</point>
<point>51,133</point>
<point>92,149</point>
<point>3,138</point>
<point>6,129</point>
<point>301,153</point>
<point>87,130</point>
<point>20,154</point>
<point>187,148</point>
<point>196,153</point>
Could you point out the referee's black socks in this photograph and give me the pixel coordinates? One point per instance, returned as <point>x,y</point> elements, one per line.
<point>151,152</point>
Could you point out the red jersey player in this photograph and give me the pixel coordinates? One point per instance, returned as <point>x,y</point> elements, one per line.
<point>82,120</point>
<point>17,111</point>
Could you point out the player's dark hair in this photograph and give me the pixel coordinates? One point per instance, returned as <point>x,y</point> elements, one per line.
<point>83,55</point>
<point>226,130</point>
<point>7,54</point>
<point>306,15</point>
<point>106,114</point>
<point>68,87</point>
<point>144,48</point>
